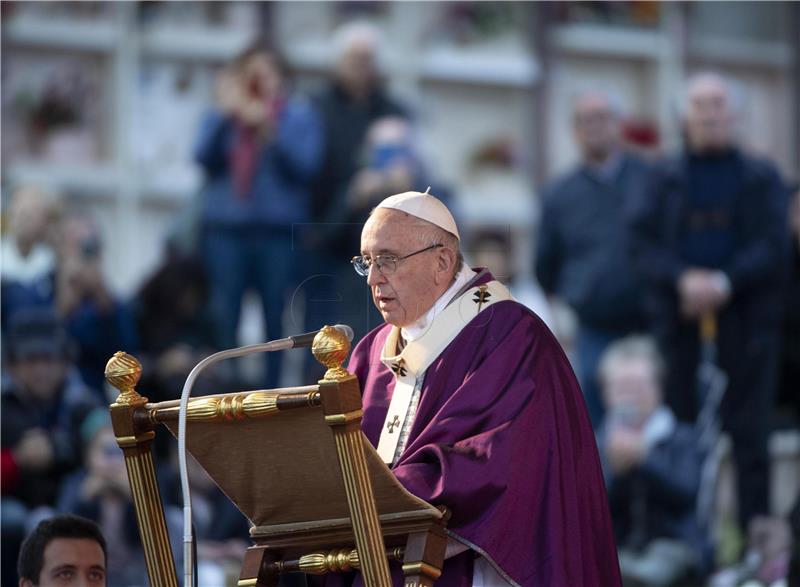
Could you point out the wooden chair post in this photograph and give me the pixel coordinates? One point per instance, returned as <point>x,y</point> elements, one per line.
<point>341,404</point>
<point>424,557</point>
<point>134,437</point>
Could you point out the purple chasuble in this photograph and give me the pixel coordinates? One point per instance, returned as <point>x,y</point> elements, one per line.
<point>502,438</point>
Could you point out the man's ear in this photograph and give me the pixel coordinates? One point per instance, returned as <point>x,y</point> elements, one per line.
<point>26,583</point>
<point>445,263</point>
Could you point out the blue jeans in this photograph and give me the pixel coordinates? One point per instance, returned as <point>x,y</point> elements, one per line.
<point>238,259</point>
<point>590,345</point>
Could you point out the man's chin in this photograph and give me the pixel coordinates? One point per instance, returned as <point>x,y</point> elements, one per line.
<point>393,319</point>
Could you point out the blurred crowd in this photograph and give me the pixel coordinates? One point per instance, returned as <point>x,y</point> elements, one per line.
<point>642,250</point>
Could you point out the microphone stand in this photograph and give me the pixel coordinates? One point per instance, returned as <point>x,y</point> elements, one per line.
<point>264,347</point>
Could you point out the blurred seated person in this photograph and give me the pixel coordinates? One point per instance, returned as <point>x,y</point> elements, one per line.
<point>492,249</point>
<point>390,165</point>
<point>42,405</point>
<point>100,492</point>
<point>260,150</point>
<point>93,316</point>
<point>652,468</point>
<point>176,331</point>
<point>63,551</point>
<point>29,260</point>
<point>175,326</point>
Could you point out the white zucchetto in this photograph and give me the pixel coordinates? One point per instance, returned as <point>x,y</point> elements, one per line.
<point>424,206</point>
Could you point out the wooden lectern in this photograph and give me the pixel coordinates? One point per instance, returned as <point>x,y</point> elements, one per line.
<point>296,463</point>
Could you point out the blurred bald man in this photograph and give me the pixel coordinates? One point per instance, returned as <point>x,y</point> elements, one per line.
<point>582,254</point>
<point>353,100</point>
<point>710,238</point>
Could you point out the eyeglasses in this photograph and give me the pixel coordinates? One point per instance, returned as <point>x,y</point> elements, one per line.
<point>386,264</point>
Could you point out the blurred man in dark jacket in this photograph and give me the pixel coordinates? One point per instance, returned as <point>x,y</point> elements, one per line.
<point>43,404</point>
<point>652,467</point>
<point>582,254</point>
<point>353,102</point>
<point>710,238</point>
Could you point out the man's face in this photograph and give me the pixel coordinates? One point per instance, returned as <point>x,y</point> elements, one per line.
<point>709,120</point>
<point>262,77</point>
<point>71,562</point>
<point>356,66</point>
<point>40,376</point>
<point>596,126</point>
<point>632,386</point>
<point>411,290</point>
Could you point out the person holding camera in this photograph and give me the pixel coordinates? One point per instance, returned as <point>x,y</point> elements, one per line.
<point>259,148</point>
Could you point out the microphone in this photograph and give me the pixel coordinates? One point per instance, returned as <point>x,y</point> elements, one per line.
<point>305,340</point>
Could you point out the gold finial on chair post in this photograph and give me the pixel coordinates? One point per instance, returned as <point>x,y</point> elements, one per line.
<point>331,347</point>
<point>123,372</point>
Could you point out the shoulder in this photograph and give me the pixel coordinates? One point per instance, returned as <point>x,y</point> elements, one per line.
<point>371,342</point>
<point>389,106</point>
<point>557,190</point>
<point>367,353</point>
<point>636,164</point>
<point>507,319</point>
<point>77,396</point>
<point>759,169</point>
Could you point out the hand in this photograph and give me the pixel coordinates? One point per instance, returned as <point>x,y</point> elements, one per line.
<point>625,448</point>
<point>254,113</point>
<point>34,451</point>
<point>366,184</point>
<point>701,292</point>
<point>228,91</point>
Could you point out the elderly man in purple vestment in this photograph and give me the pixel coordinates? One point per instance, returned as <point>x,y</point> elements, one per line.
<point>472,403</point>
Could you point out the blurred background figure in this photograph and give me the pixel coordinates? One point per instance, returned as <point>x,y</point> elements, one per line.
<point>42,406</point>
<point>582,254</point>
<point>29,260</point>
<point>94,317</point>
<point>351,104</point>
<point>221,529</point>
<point>710,237</point>
<point>259,149</point>
<point>176,330</point>
<point>652,469</point>
<point>99,491</point>
<point>788,398</point>
<point>492,249</point>
<point>352,101</point>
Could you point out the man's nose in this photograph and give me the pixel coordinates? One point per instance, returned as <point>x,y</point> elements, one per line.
<point>375,277</point>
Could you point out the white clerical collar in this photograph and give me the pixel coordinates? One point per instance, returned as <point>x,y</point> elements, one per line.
<point>415,330</point>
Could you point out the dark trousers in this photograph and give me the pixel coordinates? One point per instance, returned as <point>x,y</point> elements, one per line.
<point>747,352</point>
<point>238,259</point>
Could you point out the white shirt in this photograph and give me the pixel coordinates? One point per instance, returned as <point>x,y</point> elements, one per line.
<point>415,330</point>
